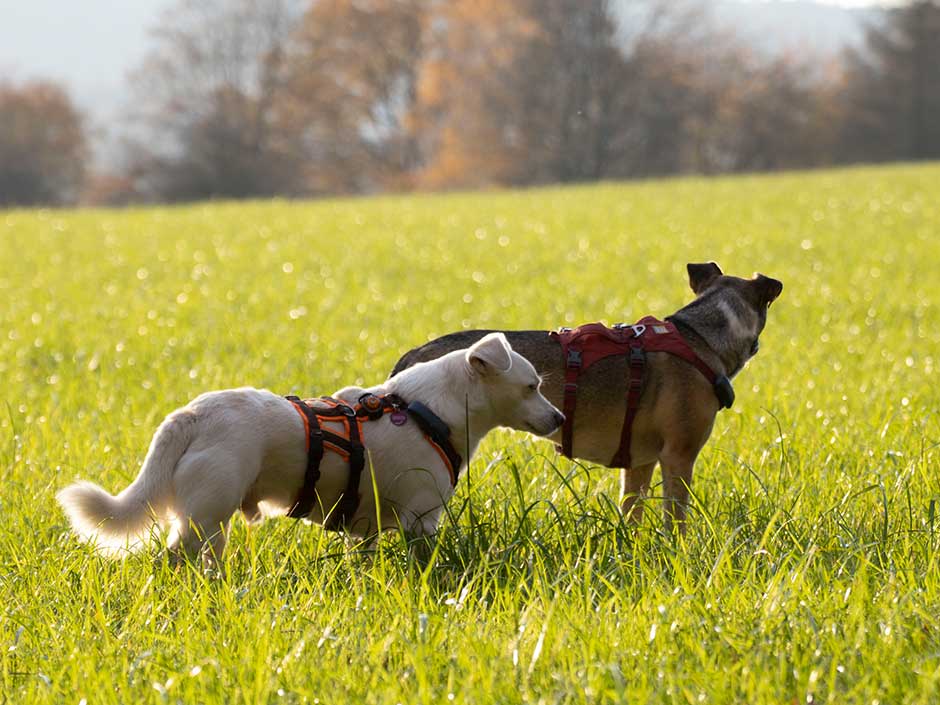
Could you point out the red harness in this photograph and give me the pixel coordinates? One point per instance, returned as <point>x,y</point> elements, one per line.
<point>582,347</point>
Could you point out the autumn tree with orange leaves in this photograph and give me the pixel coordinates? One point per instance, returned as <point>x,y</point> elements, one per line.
<point>353,70</point>
<point>548,91</point>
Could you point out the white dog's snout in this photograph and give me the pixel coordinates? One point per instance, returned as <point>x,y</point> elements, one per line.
<point>550,423</point>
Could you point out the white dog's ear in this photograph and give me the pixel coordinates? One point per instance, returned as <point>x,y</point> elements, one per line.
<point>490,355</point>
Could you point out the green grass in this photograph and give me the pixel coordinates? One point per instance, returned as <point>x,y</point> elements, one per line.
<point>810,570</point>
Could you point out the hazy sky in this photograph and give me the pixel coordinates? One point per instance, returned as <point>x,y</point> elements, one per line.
<point>90,44</point>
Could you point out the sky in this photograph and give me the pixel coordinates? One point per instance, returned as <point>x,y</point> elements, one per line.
<point>92,41</point>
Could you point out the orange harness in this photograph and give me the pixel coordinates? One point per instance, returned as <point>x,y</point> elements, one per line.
<point>348,445</point>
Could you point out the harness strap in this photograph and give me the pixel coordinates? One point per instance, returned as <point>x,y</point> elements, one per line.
<point>438,434</point>
<point>307,495</point>
<point>637,373</point>
<point>348,502</point>
<point>573,362</point>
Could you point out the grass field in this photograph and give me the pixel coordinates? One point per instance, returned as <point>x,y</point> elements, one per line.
<point>810,570</point>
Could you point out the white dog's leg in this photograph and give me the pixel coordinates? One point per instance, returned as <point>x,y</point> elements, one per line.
<point>209,487</point>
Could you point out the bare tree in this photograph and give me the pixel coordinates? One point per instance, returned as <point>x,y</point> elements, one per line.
<point>757,113</point>
<point>352,77</point>
<point>570,121</point>
<point>43,146</point>
<point>893,88</point>
<point>206,102</point>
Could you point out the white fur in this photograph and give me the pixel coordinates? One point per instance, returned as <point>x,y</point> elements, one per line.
<point>246,448</point>
<point>739,328</point>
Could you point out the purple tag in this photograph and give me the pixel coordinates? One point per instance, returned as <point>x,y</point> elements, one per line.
<point>399,418</point>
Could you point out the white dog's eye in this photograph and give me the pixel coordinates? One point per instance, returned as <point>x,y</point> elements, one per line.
<point>534,387</point>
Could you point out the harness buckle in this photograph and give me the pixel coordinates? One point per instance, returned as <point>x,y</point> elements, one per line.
<point>370,402</point>
<point>371,406</point>
<point>574,358</point>
<point>637,366</point>
<point>638,329</point>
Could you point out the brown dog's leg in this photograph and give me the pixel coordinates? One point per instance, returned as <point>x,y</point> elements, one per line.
<point>634,484</point>
<point>677,479</point>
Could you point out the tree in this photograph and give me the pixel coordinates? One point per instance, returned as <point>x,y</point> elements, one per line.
<point>261,97</point>
<point>668,50</point>
<point>43,146</point>
<point>541,91</point>
<point>520,93</point>
<point>351,89</point>
<point>755,113</point>
<point>568,123</point>
<point>467,113</point>
<point>893,88</point>
<point>206,103</point>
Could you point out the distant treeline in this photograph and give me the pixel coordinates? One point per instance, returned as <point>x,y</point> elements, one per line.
<point>255,98</point>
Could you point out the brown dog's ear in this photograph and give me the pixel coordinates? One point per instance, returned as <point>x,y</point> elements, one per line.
<point>767,289</point>
<point>702,275</point>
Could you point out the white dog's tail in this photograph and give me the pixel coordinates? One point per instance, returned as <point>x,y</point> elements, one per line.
<point>116,522</point>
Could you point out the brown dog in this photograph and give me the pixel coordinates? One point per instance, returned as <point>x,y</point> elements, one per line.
<point>677,405</point>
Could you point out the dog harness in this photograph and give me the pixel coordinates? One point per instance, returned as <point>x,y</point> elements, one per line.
<point>582,347</point>
<point>370,407</point>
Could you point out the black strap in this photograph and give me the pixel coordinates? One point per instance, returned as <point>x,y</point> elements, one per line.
<point>724,391</point>
<point>307,496</point>
<point>338,441</point>
<point>338,408</point>
<point>348,502</point>
<point>438,431</point>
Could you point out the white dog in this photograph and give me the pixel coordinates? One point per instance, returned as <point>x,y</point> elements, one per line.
<point>248,448</point>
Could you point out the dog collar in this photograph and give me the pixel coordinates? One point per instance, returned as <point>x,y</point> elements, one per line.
<point>437,432</point>
<point>721,385</point>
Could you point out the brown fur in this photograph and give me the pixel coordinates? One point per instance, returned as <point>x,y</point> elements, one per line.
<point>677,407</point>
